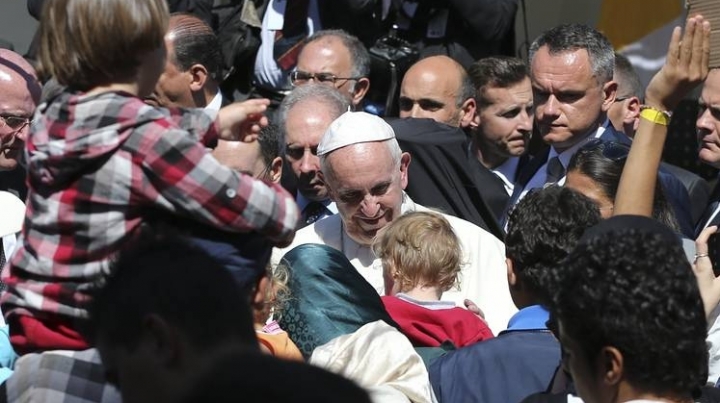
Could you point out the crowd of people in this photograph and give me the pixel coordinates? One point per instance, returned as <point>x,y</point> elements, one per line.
<point>183,221</point>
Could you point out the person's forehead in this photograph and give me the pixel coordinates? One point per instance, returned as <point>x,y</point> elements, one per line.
<point>520,91</point>
<point>364,160</point>
<point>429,82</point>
<point>711,87</point>
<point>15,98</point>
<point>324,55</point>
<point>569,67</point>
<point>307,122</point>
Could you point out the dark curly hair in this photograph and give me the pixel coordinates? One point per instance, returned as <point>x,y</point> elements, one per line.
<point>633,289</point>
<point>542,230</point>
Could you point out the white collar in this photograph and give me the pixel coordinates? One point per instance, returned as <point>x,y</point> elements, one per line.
<point>507,171</point>
<point>214,106</point>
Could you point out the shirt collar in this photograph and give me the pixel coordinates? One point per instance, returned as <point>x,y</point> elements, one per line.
<point>567,154</point>
<point>533,317</point>
<point>214,105</point>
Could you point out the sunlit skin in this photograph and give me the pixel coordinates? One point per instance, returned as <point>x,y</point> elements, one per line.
<point>20,94</point>
<point>329,55</point>
<point>708,121</point>
<point>430,89</point>
<point>367,187</point>
<point>505,125</point>
<point>304,127</point>
<point>569,101</point>
<point>246,158</point>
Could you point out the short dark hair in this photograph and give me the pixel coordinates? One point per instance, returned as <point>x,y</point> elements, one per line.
<point>605,170</point>
<point>627,78</point>
<point>572,37</point>
<point>359,55</point>
<point>271,145</point>
<point>195,42</point>
<point>85,43</point>
<point>168,277</point>
<point>633,289</point>
<point>467,88</point>
<point>543,228</point>
<point>498,72</point>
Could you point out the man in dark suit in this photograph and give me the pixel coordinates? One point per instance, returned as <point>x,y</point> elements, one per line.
<point>624,114</point>
<point>708,131</point>
<point>543,229</point>
<point>571,70</point>
<point>498,147</point>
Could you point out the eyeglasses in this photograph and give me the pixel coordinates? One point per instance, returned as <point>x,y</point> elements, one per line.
<point>302,77</point>
<point>14,122</point>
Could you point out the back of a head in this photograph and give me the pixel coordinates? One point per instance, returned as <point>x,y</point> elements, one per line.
<point>184,286</point>
<point>271,143</point>
<point>603,163</point>
<point>572,37</point>
<point>543,228</point>
<point>627,78</point>
<point>194,42</point>
<point>359,55</point>
<point>628,285</point>
<point>86,43</point>
<point>255,378</point>
<point>420,248</point>
<point>495,72</point>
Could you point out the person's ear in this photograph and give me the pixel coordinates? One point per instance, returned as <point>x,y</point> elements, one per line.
<point>163,341</point>
<point>511,277</point>
<point>468,118</point>
<point>361,88</point>
<point>199,76</point>
<point>276,168</point>
<point>610,364</point>
<point>404,164</point>
<point>632,112</point>
<point>609,94</point>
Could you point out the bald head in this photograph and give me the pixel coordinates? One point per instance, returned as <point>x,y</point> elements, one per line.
<point>193,69</point>
<point>19,95</point>
<point>438,88</point>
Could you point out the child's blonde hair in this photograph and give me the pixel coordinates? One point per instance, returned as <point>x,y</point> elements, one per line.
<point>420,248</point>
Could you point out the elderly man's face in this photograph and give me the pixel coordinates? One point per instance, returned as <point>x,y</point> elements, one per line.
<point>506,123</point>
<point>569,101</point>
<point>708,121</point>
<point>329,55</point>
<point>304,127</point>
<point>16,109</point>
<point>367,187</point>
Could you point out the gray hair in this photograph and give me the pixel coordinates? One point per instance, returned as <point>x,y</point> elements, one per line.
<point>572,37</point>
<point>335,102</point>
<point>629,84</point>
<point>360,58</point>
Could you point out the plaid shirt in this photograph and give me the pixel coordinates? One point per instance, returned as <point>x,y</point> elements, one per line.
<point>100,164</point>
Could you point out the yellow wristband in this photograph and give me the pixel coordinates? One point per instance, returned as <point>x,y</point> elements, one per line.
<point>655,115</point>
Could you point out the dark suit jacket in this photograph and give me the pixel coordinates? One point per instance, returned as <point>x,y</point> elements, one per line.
<point>698,189</point>
<point>504,369</point>
<point>440,174</point>
<point>675,192</point>
<point>493,188</point>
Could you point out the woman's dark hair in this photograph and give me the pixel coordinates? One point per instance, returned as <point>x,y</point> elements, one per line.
<point>603,162</point>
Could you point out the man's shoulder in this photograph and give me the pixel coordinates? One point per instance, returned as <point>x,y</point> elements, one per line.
<point>514,344</point>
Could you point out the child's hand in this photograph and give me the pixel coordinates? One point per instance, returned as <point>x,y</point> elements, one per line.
<point>685,67</point>
<point>242,121</point>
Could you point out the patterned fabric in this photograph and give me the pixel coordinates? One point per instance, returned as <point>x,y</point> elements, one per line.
<point>61,376</point>
<point>99,165</point>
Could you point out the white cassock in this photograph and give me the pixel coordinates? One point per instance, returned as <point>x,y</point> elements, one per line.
<point>483,278</point>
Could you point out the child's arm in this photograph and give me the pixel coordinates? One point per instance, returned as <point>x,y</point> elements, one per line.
<point>181,176</point>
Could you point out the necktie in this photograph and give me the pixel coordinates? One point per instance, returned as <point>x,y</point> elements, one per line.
<point>555,170</point>
<point>313,211</point>
<point>288,41</point>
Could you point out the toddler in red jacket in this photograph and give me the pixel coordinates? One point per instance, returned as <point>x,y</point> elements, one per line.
<point>422,257</point>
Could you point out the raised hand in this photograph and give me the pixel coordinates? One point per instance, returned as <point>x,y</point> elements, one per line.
<point>686,65</point>
<point>242,121</point>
